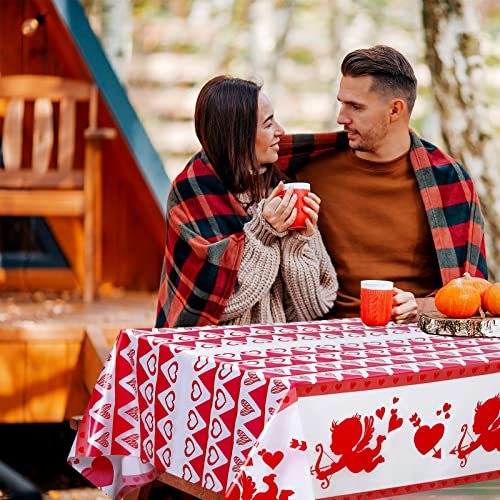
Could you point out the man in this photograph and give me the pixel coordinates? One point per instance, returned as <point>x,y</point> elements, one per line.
<point>394,207</point>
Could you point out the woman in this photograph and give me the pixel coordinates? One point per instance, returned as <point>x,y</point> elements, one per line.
<point>230,257</point>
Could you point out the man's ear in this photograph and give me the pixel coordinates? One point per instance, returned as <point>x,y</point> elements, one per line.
<point>398,107</point>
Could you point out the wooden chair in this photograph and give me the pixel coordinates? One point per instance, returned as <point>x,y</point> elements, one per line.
<point>52,161</point>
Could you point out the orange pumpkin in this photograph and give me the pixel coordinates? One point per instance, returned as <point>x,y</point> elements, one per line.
<point>458,301</point>
<point>491,299</point>
<point>480,284</point>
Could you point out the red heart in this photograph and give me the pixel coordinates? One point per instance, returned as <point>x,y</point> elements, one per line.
<point>278,386</point>
<point>103,440</point>
<point>100,473</point>
<point>167,429</point>
<point>252,378</point>
<point>272,459</point>
<point>380,413</point>
<point>170,401</point>
<point>192,420</point>
<point>247,408</point>
<point>446,407</point>
<point>104,411</point>
<point>220,399</point>
<point>172,372</point>
<point>131,440</point>
<point>195,391</point>
<point>395,400</point>
<point>213,456</point>
<point>242,438</point>
<point>151,364</point>
<point>394,422</point>
<point>201,363</point>
<point>189,447</point>
<point>216,429</point>
<point>426,438</point>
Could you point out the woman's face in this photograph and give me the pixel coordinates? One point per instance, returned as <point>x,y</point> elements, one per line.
<point>269,132</point>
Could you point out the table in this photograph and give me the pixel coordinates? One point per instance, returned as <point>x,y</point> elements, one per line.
<point>316,410</point>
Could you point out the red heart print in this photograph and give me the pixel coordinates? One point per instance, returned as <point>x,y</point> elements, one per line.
<point>132,383</point>
<point>237,464</point>
<point>195,391</point>
<point>242,438</point>
<point>380,413</point>
<point>220,399</point>
<point>395,400</point>
<point>187,473</point>
<point>247,408</point>
<point>100,473</point>
<point>189,447</point>
<point>149,448</point>
<point>216,429</point>
<point>167,429</point>
<point>131,356</point>
<point>104,381</point>
<point>149,420</point>
<point>394,422</point>
<point>192,420</point>
<point>172,372</point>
<point>209,482</point>
<point>151,364</point>
<point>446,407</point>
<point>278,386</point>
<point>213,456</point>
<point>148,393</point>
<point>272,459</point>
<point>201,362</point>
<point>251,378</point>
<point>426,438</point>
<point>134,413</point>
<point>131,440</point>
<point>225,371</point>
<point>103,440</point>
<point>167,454</point>
<point>170,401</point>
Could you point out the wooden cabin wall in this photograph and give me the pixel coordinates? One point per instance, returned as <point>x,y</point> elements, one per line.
<point>133,224</point>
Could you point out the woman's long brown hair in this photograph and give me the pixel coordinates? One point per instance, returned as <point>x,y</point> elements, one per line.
<point>225,121</point>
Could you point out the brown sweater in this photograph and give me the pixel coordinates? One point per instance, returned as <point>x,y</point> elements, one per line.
<point>373,224</point>
<point>282,277</point>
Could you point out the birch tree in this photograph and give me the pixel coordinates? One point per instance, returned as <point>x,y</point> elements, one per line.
<point>116,36</point>
<point>114,30</point>
<point>454,57</point>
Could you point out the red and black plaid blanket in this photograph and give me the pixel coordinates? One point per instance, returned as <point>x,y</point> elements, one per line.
<point>448,194</point>
<point>203,249</point>
<point>205,237</point>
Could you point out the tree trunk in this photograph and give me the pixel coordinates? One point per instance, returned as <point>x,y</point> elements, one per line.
<point>456,65</point>
<point>116,35</point>
<point>268,30</point>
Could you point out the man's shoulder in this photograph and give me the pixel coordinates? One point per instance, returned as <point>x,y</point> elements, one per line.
<point>426,154</point>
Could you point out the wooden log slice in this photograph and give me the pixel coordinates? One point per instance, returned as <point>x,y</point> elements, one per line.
<point>439,324</point>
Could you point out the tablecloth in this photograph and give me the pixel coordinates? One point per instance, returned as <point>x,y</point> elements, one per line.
<point>315,410</point>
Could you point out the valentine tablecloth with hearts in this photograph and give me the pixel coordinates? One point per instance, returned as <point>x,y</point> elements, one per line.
<point>313,410</point>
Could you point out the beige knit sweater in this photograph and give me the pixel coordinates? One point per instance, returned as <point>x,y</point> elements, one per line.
<point>282,277</point>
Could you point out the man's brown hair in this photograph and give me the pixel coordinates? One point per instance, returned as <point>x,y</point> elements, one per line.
<point>391,72</point>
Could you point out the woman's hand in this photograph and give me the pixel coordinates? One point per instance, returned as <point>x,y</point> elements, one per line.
<point>314,201</point>
<point>280,212</point>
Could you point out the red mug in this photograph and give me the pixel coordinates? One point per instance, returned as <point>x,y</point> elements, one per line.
<point>376,302</point>
<point>301,189</point>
